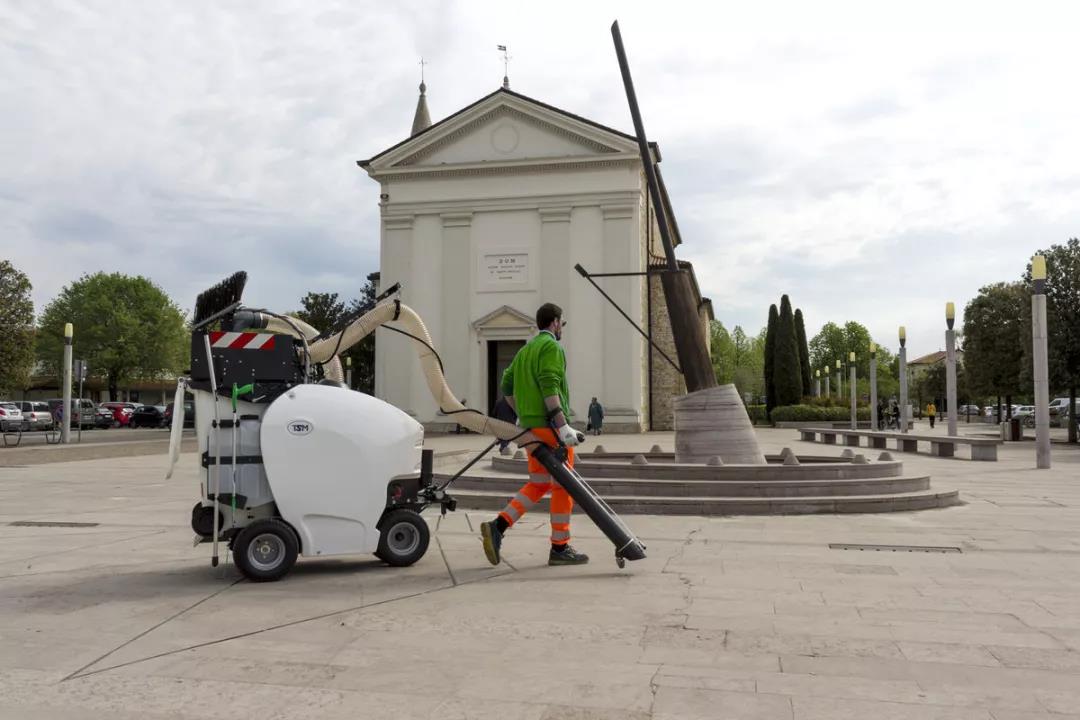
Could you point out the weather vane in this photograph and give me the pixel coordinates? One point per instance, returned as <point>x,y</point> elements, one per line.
<point>506,65</point>
<point>422,64</point>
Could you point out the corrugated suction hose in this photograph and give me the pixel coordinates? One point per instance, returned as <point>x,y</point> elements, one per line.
<point>393,311</point>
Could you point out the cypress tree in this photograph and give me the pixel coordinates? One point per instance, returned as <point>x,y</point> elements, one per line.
<point>787,375</point>
<point>770,342</point>
<point>804,353</point>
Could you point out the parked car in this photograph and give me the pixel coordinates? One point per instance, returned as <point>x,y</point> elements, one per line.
<point>11,418</point>
<point>969,410</point>
<point>36,414</point>
<point>1060,404</point>
<point>104,417</point>
<point>121,412</point>
<point>147,416</point>
<point>83,412</point>
<point>1023,411</point>
<point>189,413</point>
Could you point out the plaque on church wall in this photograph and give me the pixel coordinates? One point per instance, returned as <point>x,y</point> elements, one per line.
<point>510,270</point>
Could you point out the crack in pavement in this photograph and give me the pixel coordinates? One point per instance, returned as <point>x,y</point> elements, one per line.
<point>151,629</point>
<point>83,547</point>
<point>258,631</point>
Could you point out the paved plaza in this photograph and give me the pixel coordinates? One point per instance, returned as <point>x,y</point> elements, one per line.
<point>737,617</point>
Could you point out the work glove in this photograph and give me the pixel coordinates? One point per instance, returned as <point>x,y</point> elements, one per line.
<point>570,437</point>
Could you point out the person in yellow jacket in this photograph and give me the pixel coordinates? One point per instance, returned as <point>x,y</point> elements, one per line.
<point>931,412</point>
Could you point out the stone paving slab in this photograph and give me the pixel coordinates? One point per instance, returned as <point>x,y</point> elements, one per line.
<point>739,617</point>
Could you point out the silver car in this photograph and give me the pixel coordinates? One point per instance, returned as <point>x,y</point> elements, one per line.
<point>11,418</point>
<point>36,415</point>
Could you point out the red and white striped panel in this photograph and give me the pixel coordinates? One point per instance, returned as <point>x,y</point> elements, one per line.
<point>242,340</point>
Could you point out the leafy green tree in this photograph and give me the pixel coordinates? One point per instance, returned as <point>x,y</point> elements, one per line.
<point>804,353</point>
<point>325,311</point>
<point>738,358</point>
<point>322,311</point>
<point>827,346</point>
<point>787,375</point>
<point>722,352</point>
<point>126,328</point>
<point>16,329</point>
<point>1063,320</point>
<point>770,358</point>
<point>994,339</point>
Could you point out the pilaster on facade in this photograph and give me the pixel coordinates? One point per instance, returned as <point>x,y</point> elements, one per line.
<point>617,212</point>
<point>398,222</point>
<point>555,214</point>
<point>456,219</point>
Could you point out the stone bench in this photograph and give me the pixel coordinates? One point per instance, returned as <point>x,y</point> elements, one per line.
<point>940,445</point>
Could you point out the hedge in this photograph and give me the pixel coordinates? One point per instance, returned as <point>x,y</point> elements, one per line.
<point>756,413</point>
<point>810,413</point>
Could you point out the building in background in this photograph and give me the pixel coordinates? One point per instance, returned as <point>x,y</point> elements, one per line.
<point>484,215</point>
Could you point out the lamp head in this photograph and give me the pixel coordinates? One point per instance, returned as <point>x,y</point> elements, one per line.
<point>838,364</point>
<point>873,349</point>
<point>818,373</point>
<point>1038,267</point>
<point>903,336</point>
<point>950,314</point>
<point>69,330</point>
<point>348,361</point>
<point>851,356</point>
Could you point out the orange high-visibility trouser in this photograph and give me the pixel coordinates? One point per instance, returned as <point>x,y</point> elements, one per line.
<point>540,482</point>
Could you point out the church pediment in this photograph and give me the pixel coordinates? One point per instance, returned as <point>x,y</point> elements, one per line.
<point>504,318</point>
<point>503,128</point>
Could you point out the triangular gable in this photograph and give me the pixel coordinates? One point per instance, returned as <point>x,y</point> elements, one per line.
<point>503,127</point>
<point>504,317</point>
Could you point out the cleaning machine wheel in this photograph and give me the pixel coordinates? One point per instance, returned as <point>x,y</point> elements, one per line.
<point>202,520</point>
<point>620,561</point>
<point>404,538</point>
<point>265,550</point>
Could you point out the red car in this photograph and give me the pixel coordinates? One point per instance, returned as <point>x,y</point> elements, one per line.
<point>122,412</point>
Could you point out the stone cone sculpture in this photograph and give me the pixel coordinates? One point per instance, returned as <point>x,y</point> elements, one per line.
<point>714,422</point>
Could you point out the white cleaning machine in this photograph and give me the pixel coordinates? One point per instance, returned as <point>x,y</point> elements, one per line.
<point>295,463</point>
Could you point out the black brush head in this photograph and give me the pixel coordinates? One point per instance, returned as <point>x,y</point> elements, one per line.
<point>225,293</point>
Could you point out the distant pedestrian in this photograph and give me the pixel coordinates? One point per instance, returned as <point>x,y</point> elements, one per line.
<point>931,412</point>
<point>596,417</point>
<point>503,411</point>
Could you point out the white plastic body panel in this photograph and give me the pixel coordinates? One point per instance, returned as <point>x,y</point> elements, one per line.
<point>330,454</point>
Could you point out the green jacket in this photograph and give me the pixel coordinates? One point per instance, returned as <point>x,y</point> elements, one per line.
<point>537,371</point>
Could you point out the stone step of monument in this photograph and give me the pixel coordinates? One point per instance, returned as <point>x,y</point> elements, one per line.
<point>838,469</point>
<point>643,488</point>
<point>708,506</point>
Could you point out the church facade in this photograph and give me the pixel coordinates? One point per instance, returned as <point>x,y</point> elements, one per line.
<point>484,216</point>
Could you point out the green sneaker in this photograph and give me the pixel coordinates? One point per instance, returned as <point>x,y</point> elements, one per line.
<point>569,556</point>
<point>489,531</point>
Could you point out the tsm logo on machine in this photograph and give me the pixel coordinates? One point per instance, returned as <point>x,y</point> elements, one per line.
<point>300,427</point>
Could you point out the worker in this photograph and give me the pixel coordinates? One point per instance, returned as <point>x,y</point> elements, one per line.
<point>931,412</point>
<point>535,386</point>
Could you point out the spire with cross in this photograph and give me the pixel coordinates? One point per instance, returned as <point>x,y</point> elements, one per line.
<point>506,65</point>
<point>422,118</point>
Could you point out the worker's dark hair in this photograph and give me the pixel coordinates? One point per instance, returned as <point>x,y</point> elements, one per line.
<point>547,314</point>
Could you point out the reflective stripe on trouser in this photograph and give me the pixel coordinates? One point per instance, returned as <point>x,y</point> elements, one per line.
<point>539,485</point>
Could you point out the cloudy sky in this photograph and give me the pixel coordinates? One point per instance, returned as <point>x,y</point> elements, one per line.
<point>872,160</point>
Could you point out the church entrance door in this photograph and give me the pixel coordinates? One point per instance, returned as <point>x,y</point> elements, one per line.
<point>500,354</point>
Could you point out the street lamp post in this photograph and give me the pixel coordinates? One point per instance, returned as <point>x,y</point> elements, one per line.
<point>65,413</point>
<point>903,381</point>
<point>348,371</point>
<point>950,366</point>
<point>828,390</point>
<point>839,380</point>
<point>854,418</point>
<point>817,383</point>
<point>873,387</point>
<point>1042,380</point>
